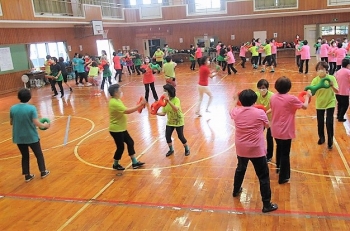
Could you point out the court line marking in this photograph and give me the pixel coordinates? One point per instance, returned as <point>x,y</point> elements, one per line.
<point>86,205</point>
<point>177,207</point>
<point>221,79</point>
<point>60,145</point>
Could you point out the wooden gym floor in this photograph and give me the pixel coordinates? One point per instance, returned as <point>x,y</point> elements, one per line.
<point>175,193</point>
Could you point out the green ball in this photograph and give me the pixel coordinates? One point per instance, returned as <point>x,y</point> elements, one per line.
<point>44,120</point>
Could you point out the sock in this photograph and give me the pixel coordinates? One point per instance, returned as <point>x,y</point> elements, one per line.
<point>134,160</point>
<point>187,148</point>
<point>171,148</point>
<point>116,162</point>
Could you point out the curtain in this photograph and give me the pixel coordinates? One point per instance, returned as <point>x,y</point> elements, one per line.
<point>30,63</point>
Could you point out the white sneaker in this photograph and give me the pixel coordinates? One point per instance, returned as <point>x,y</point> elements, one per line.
<point>80,85</point>
<point>88,84</point>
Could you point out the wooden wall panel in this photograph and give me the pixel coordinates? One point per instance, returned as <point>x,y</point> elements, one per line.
<point>11,82</point>
<point>174,13</point>
<point>131,15</point>
<point>92,12</point>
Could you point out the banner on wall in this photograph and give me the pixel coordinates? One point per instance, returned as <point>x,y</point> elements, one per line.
<point>6,63</point>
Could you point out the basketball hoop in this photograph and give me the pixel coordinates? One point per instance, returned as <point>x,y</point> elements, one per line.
<point>104,33</point>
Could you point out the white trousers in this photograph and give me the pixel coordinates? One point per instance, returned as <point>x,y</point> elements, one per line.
<point>203,90</point>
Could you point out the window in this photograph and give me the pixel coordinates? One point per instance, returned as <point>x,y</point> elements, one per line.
<point>146,2</point>
<point>204,7</point>
<point>334,30</point>
<point>38,52</point>
<point>133,2</point>
<point>0,10</point>
<point>338,2</point>
<point>274,4</point>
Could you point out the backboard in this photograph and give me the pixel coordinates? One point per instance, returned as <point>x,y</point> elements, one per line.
<point>97,27</point>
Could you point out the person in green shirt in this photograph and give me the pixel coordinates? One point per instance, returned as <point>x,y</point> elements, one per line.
<point>169,71</point>
<point>159,56</point>
<point>175,119</point>
<point>137,61</point>
<point>24,120</point>
<point>255,55</point>
<point>264,96</point>
<point>268,57</point>
<point>325,102</point>
<point>118,124</point>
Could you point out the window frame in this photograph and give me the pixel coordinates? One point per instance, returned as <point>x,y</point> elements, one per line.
<point>337,4</point>
<point>276,7</point>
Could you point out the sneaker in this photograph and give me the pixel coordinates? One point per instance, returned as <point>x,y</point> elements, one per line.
<point>262,70</point>
<point>118,167</point>
<point>187,152</point>
<point>169,153</point>
<point>88,84</point>
<point>29,177</point>
<point>272,71</point>
<point>236,194</point>
<point>137,165</point>
<point>80,85</point>
<point>198,114</point>
<point>45,174</point>
<point>321,141</point>
<point>271,207</point>
<point>341,120</point>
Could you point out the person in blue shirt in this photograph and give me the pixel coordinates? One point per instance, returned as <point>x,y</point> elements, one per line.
<point>24,120</point>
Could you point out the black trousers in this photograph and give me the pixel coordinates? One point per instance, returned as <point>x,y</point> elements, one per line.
<point>83,75</point>
<point>260,59</point>
<point>147,86</point>
<point>338,67</point>
<point>36,148</point>
<point>243,61</point>
<point>255,60</point>
<point>118,73</point>
<point>76,77</point>
<point>332,67</point>
<point>262,172</point>
<point>53,83</point>
<point>343,104</point>
<point>198,61</point>
<point>267,60</point>
<point>231,67</point>
<point>329,124</point>
<point>324,59</point>
<point>120,138</point>
<point>223,65</point>
<point>138,69</point>
<point>160,64</point>
<point>269,141</point>
<point>282,158</point>
<point>301,67</point>
<point>104,80</point>
<point>180,133</point>
<point>193,64</point>
<point>297,59</point>
<point>273,59</point>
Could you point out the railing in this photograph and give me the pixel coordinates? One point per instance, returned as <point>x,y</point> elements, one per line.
<point>274,4</point>
<point>74,8</point>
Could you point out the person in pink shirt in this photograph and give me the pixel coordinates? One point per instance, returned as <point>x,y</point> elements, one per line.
<point>198,53</point>
<point>283,108</point>
<point>343,79</point>
<point>324,50</point>
<point>340,54</point>
<point>242,51</point>
<point>250,145</point>
<point>230,59</point>
<point>332,59</point>
<point>258,44</point>
<point>304,57</point>
<point>274,52</point>
<point>218,47</point>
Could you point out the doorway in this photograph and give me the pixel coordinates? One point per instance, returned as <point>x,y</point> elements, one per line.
<point>106,45</point>
<point>310,35</point>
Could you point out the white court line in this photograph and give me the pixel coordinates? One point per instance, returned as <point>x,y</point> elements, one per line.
<point>86,205</point>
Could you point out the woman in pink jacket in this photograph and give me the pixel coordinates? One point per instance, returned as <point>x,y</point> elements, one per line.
<point>340,53</point>
<point>332,59</point>
<point>324,50</point>
<point>305,57</point>
<point>230,59</point>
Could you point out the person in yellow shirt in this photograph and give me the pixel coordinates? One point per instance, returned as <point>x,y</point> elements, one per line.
<point>268,57</point>
<point>159,56</point>
<point>118,124</point>
<point>255,55</point>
